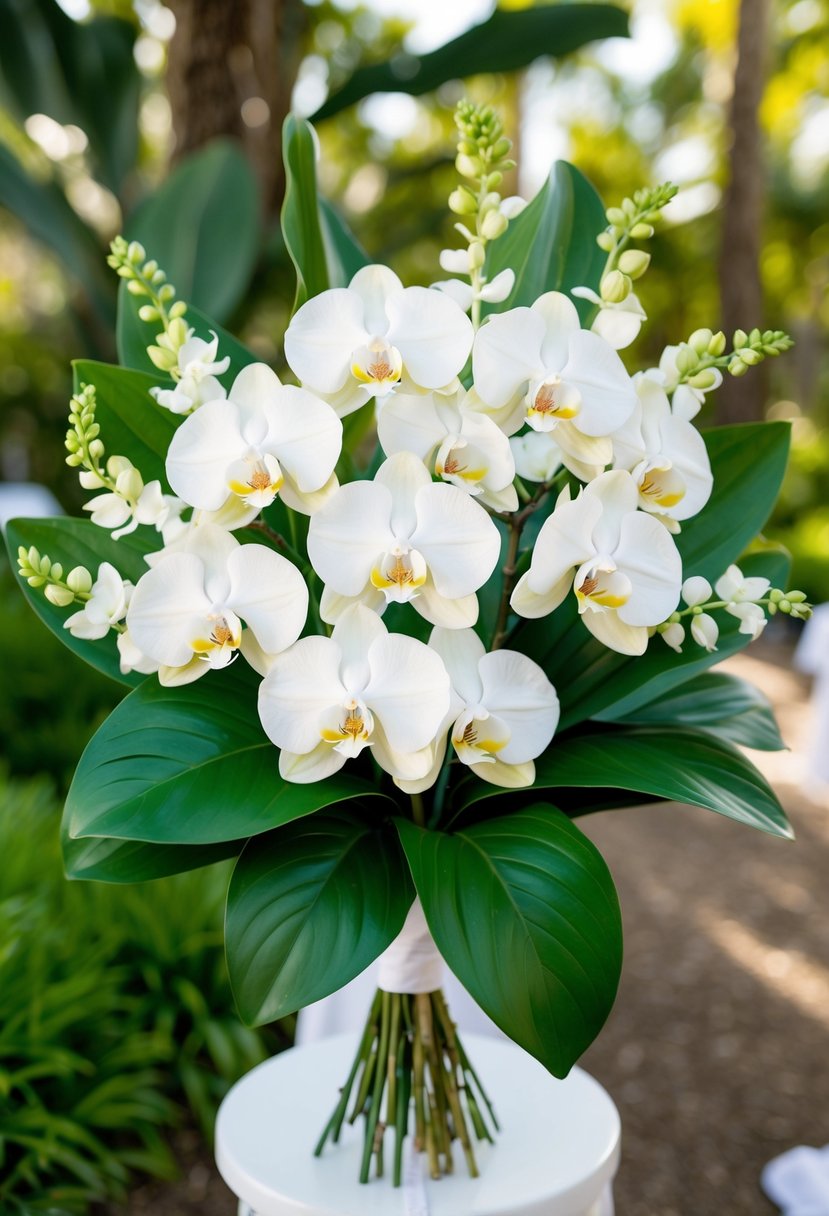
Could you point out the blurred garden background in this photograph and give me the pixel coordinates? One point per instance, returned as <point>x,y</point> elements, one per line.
<point>117,1030</point>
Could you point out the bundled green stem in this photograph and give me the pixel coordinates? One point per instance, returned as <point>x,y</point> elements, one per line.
<point>410,1057</point>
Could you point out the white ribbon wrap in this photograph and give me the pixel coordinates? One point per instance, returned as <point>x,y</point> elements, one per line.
<point>411,963</point>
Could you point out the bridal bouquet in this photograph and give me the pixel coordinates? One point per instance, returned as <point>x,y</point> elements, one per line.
<point>395,621</point>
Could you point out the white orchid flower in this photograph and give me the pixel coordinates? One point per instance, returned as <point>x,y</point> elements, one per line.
<point>537,365</point>
<point>618,323</point>
<point>686,401</point>
<point>705,631</point>
<point>325,699</point>
<point>741,595</point>
<point>696,590</point>
<point>187,610</point>
<point>195,375</point>
<point>538,458</point>
<point>131,502</point>
<point>666,456</point>
<point>131,658</point>
<point>460,445</point>
<point>353,343</point>
<point>503,714</point>
<point>267,438</point>
<point>106,606</point>
<point>464,294</point>
<point>623,565</point>
<point>673,635</point>
<point>400,538</point>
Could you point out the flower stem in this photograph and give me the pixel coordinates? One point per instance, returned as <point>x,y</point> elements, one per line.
<point>411,1056</point>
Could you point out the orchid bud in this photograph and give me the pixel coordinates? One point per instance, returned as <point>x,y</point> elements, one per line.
<point>164,360</point>
<point>750,357</point>
<point>641,232</point>
<point>605,241</point>
<point>462,201</point>
<point>740,339</point>
<point>700,339</point>
<point>494,225</point>
<point>615,287</point>
<point>634,262</point>
<point>61,597</point>
<point>716,346</point>
<point>616,216</point>
<point>477,255</point>
<point>737,368</point>
<point>469,166</point>
<point>705,379</point>
<point>79,580</point>
<point>686,359</point>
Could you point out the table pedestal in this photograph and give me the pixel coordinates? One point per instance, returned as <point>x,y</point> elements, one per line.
<point>556,1154</point>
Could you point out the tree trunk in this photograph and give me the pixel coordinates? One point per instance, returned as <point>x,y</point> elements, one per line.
<point>741,294</point>
<point>232,66</point>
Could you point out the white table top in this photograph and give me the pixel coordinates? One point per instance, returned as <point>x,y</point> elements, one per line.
<point>558,1147</point>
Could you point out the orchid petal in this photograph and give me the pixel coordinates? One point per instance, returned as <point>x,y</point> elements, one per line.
<point>564,542</point>
<point>607,391</point>
<point>509,776</point>
<point>527,602</point>
<point>432,334</point>
<point>648,555</point>
<point>458,539</point>
<point>497,290</point>
<point>200,453</point>
<point>457,290</point>
<point>321,337</point>
<point>354,633</point>
<point>619,496</point>
<point>374,285</point>
<point>455,613</point>
<point>269,594</point>
<point>516,690</point>
<point>403,475</point>
<point>561,323</point>
<point>321,762</point>
<point>461,651</point>
<point>613,632</point>
<point>302,684</point>
<point>305,435</point>
<point>507,354</point>
<point>168,609</point>
<point>410,424</point>
<point>408,690</point>
<point>349,533</point>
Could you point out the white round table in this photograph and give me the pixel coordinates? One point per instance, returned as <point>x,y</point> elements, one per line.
<point>556,1154</point>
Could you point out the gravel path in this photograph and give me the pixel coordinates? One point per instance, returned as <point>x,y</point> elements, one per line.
<point>716,1052</point>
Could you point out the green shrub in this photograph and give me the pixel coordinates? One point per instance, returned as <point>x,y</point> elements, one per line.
<point>115,1016</point>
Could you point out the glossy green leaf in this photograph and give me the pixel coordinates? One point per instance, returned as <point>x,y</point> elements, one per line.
<point>525,913</point>
<point>748,462</point>
<point>133,336</point>
<point>132,424</point>
<point>301,225</point>
<point>42,207</point>
<point>202,227</point>
<point>191,765</point>
<point>309,907</point>
<point>344,254</point>
<point>507,41</point>
<point>729,707</point>
<point>78,542</point>
<point>677,764</point>
<point>105,859</point>
<point>551,245</point>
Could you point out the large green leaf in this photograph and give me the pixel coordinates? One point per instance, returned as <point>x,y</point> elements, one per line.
<point>525,913</point>
<point>105,859</point>
<point>551,245</point>
<point>132,424</point>
<point>309,907</point>
<point>43,208</point>
<point>344,254</point>
<point>83,73</point>
<point>748,462</point>
<point>202,227</point>
<point>301,225</point>
<point>508,40</point>
<point>730,707</point>
<point>79,542</point>
<point>191,765</point>
<point>133,336</point>
<point>677,764</point>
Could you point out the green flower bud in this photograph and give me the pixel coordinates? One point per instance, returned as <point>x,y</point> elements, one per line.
<point>737,368</point>
<point>755,337</point>
<point>494,225</point>
<point>493,180</point>
<point>35,580</point>
<point>177,333</point>
<point>61,597</point>
<point>134,287</point>
<point>477,255</point>
<point>147,312</point>
<point>740,339</point>
<point>164,360</point>
<point>616,216</point>
<point>771,609</point>
<point>605,241</point>
<point>136,252</point>
<point>785,605</point>
<point>705,379</point>
<point>750,357</point>
<point>178,310</point>
<point>716,346</point>
<point>501,148</point>
<point>686,359</point>
<point>463,202</point>
<point>699,340</point>
<point>166,292</point>
<point>96,449</point>
<point>796,597</point>
<point>634,262</point>
<point>615,287</point>
<point>641,232</point>
<point>79,580</point>
<point>469,166</point>
<point>775,595</point>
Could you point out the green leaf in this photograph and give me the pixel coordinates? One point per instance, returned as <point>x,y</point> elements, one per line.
<point>678,764</point>
<point>507,41</point>
<point>191,765</point>
<point>344,254</point>
<point>202,226</point>
<point>748,462</point>
<point>301,225</point>
<point>44,210</point>
<point>551,245</point>
<point>78,542</point>
<point>730,707</point>
<point>132,424</point>
<point>525,913</point>
<point>309,907</point>
<point>133,336</point>
<point>104,859</point>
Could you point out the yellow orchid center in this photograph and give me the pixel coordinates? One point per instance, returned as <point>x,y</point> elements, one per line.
<point>661,486</point>
<point>601,586</point>
<point>399,574</point>
<point>551,400</point>
<point>377,364</point>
